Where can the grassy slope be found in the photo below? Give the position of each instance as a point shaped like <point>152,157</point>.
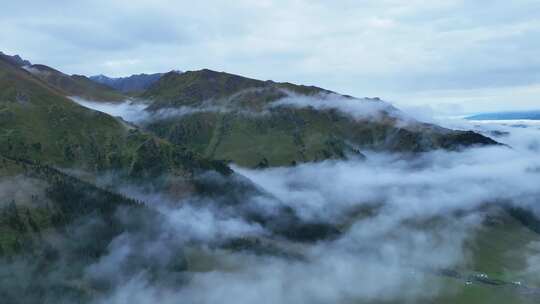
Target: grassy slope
<point>279,136</point>
<point>251,141</point>
<point>500,250</point>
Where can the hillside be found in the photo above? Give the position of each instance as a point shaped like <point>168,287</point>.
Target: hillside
<point>45,198</point>
<point>265,123</point>
<point>50,220</point>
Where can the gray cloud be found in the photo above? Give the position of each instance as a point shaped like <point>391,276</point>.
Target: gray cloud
<point>389,48</point>
<point>128,110</point>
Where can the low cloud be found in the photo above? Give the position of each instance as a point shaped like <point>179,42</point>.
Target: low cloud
<point>401,220</point>
<point>128,110</point>
<point>360,109</point>
<point>21,189</point>
<point>136,111</point>
<point>398,218</point>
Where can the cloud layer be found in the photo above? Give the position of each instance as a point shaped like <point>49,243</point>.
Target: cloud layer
<point>398,218</point>
<point>401,222</point>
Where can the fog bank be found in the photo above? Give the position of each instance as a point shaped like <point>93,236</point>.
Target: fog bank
<point>402,219</point>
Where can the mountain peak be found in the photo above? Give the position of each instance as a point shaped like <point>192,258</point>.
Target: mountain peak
<point>15,60</point>
<point>192,87</point>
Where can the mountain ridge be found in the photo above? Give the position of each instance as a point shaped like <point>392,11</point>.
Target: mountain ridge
<point>258,123</point>
<point>197,86</point>
<point>507,115</point>
<point>14,59</point>
<point>133,84</point>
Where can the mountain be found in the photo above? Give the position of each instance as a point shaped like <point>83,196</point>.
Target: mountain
<point>194,87</point>
<point>74,85</point>
<point>38,123</point>
<point>94,209</point>
<point>56,224</point>
<point>40,126</point>
<point>15,60</point>
<point>49,218</point>
<point>258,123</point>
<point>132,84</point>
<point>521,115</point>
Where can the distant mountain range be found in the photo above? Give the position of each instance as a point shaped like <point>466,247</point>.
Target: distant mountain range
<point>132,84</point>
<point>518,115</point>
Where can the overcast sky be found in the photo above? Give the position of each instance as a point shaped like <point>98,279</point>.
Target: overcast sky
<point>453,55</point>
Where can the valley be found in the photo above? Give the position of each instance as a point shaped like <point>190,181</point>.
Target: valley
<point>202,185</point>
